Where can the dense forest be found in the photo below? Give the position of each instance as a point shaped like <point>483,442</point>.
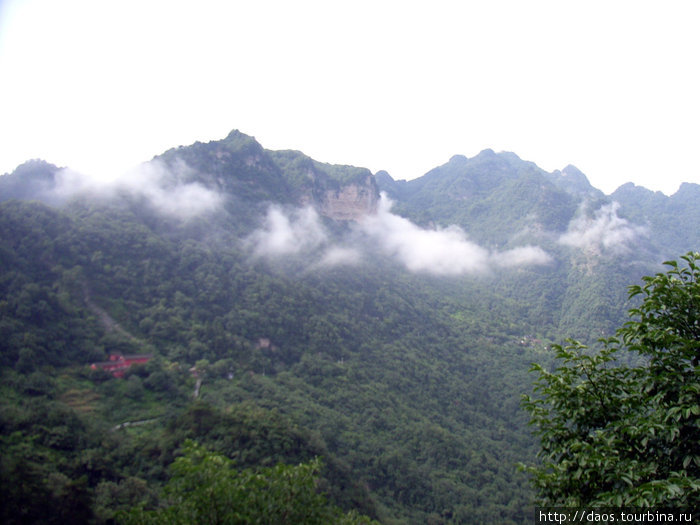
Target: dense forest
<point>276,333</point>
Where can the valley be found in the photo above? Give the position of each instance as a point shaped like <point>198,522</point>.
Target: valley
<point>384,327</point>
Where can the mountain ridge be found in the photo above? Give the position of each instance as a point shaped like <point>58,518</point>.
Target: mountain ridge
<point>238,143</point>
<point>313,316</point>
<point>497,199</point>
<point>494,207</point>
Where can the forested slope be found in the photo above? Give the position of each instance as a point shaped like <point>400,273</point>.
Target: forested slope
<point>394,350</point>
<point>415,399</point>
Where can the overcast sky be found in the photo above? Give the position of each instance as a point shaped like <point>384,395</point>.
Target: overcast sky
<point>612,86</point>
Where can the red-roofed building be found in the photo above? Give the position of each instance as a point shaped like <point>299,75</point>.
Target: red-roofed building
<point>118,364</point>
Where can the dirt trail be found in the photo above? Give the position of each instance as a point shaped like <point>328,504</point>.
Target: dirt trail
<point>133,423</point>
<point>106,320</point>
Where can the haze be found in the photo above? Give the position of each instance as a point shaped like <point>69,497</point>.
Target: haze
<point>610,87</point>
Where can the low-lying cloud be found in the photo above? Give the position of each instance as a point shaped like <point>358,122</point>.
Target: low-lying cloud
<point>445,251</point>
<point>162,186</point>
<point>441,252</point>
<point>605,230</point>
<point>522,256</point>
<point>340,256</point>
<point>288,233</point>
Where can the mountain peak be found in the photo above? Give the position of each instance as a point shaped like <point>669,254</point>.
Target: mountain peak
<point>630,186</point>
<point>572,170</point>
<point>574,181</point>
<point>457,159</point>
<point>30,180</point>
<point>573,175</point>
<point>688,188</point>
<point>34,166</point>
<point>687,193</point>
<point>384,176</point>
<point>488,152</point>
<point>236,141</point>
<point>630,189</point>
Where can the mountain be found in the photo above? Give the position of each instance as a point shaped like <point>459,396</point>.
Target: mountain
<point>572,180</point>
<point>291,309</point>
<point>487,196</point>
<point>236,167</point>
<point>670,220</point>
<point>33,180</point>
<point>239,166</point>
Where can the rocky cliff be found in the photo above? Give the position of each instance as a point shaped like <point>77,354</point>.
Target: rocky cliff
<point>339,192</point>
<point>350,201</point>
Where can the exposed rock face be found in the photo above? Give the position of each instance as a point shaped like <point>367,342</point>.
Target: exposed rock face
<point>350,201</point>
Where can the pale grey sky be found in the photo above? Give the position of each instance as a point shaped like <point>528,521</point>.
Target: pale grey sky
<point>609,86</point>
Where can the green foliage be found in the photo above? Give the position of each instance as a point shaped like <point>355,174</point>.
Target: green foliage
<point>374,370</point>
<point>486,195</point>
<point>206,488</point>
<point>618,434</point>
<point>663,214</point>
<point>406,386</point>
<point>34,179</point>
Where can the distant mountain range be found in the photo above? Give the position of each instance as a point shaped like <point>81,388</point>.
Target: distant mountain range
<point>496,198</point>
<point>496,195</point>
<point>384,325</point>
<point>493,210</point>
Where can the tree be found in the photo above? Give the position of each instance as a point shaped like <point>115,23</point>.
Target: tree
<point>206,488</point>
<point>621,426</point>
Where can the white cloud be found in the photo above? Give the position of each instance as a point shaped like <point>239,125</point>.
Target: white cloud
<point>605,230</point>
<point>161,185</point>
<point>523,256</point>
<point>442,252</point>
<point>445,251</point>
<point>288,233</point>
<point>70,182</point>
<point>338,256</point>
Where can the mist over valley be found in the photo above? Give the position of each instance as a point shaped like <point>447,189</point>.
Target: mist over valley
<point>288,309</point>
